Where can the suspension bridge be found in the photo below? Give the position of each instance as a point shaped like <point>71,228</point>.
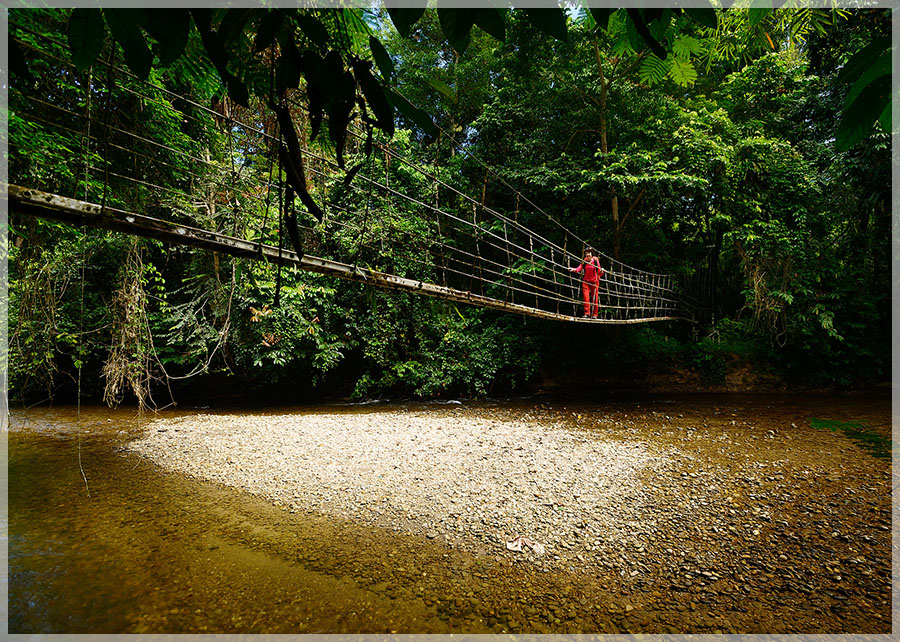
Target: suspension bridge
<point>96,148</point>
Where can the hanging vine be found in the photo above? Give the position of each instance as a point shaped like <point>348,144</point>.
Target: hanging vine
<point>130,363</point>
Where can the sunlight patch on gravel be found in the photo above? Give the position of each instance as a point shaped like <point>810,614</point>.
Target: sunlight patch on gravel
<point>473,480</point>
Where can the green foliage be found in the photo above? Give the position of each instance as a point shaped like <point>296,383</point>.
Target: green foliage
<point>733,177</point>
<point>860,432</point>
<point>434,350</point>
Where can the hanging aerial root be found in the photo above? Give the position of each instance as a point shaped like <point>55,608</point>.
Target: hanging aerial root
<point>129,363</point>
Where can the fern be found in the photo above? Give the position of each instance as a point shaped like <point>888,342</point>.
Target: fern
<point>687,45</point>
<point>683,72</point>
<point>653,70</point>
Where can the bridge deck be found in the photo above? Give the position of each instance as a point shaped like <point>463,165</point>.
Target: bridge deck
<point>75,212</point>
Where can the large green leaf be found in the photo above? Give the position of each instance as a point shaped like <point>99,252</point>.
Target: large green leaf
<point>312,29</point>
<point>375,96</point>
<point>287,72</point>
<point>653,70</point>
<point>404,19</point>
<point>339,110</point>
<point>881,67</point>
<point>443,88</point>
<point>86,33</point>
<point>706,17</point>
<point>356,29</point>
<point>885,119</point>
<point>311,63</point>
<point>759,9</point>
<point>601,16</point>
<point>857,120</point>
<point>170,28</point>
<point>863,59</point>
<point>124,26</point>
<point>456,25</point>
<point>492,21</point>
<point>632,36</point>
<point>382,58</point>
<point>330,77</point>
<point>551,21</point>
<point>269,24</point>
<point>643,31</point>
<point>418,116</point>
<point>237,90</point>
<point>233,24</point>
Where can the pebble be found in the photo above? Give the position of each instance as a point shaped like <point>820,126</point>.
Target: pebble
<point>675,509</point>
<point>406,466</point>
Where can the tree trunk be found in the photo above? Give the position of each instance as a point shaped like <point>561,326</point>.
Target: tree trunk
<point>604,148</point>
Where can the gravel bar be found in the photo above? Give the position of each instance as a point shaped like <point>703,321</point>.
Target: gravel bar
<point>476,482</point>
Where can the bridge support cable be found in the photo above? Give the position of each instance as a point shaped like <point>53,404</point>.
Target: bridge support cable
<point>416,233</point>
<point>24,201</point>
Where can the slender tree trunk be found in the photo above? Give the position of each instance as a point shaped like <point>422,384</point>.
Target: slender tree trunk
<point>604,147</point>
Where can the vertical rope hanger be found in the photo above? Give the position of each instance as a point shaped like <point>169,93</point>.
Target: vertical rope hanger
<point>437,209</point>
<point>86,139</point>
<point>85,150</point>
<point>110,84</point>
<point>281,206</point>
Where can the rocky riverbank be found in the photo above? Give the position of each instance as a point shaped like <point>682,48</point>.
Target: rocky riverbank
<point>701,517</point>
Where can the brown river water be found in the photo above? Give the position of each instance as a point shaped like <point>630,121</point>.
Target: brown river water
<point>103,541</point>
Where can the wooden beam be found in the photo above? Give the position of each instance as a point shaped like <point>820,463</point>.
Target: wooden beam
<point>33,202</point>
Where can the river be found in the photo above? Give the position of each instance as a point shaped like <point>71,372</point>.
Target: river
<point>104,541</point>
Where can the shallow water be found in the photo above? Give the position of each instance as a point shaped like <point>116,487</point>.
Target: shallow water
<point>102,541</point>
<point>127,547</point>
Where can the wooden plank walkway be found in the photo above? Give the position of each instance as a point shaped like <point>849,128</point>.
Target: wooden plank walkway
<point>75,212</point>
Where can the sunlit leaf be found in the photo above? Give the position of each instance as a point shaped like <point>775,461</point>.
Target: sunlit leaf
<point>382,58</point>
<point>653,70</point>
<point>684,46</point>
<point>683,72</point>
<point>443,88</point>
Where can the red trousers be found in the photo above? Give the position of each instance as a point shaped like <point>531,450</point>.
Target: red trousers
<point>590,292</point>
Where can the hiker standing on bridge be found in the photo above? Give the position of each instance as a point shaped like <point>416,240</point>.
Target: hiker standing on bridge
<point>590,283</point>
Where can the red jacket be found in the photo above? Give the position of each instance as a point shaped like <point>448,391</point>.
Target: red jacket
<point>592,270</point>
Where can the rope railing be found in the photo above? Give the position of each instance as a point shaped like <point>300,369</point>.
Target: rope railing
<point>424,228</point>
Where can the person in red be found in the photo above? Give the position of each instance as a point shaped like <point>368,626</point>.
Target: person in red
<point>590,284</point>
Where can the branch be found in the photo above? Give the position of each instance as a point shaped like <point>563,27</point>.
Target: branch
<point>575,133</point>
<point>585,96</point>
<point>631,206</point>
